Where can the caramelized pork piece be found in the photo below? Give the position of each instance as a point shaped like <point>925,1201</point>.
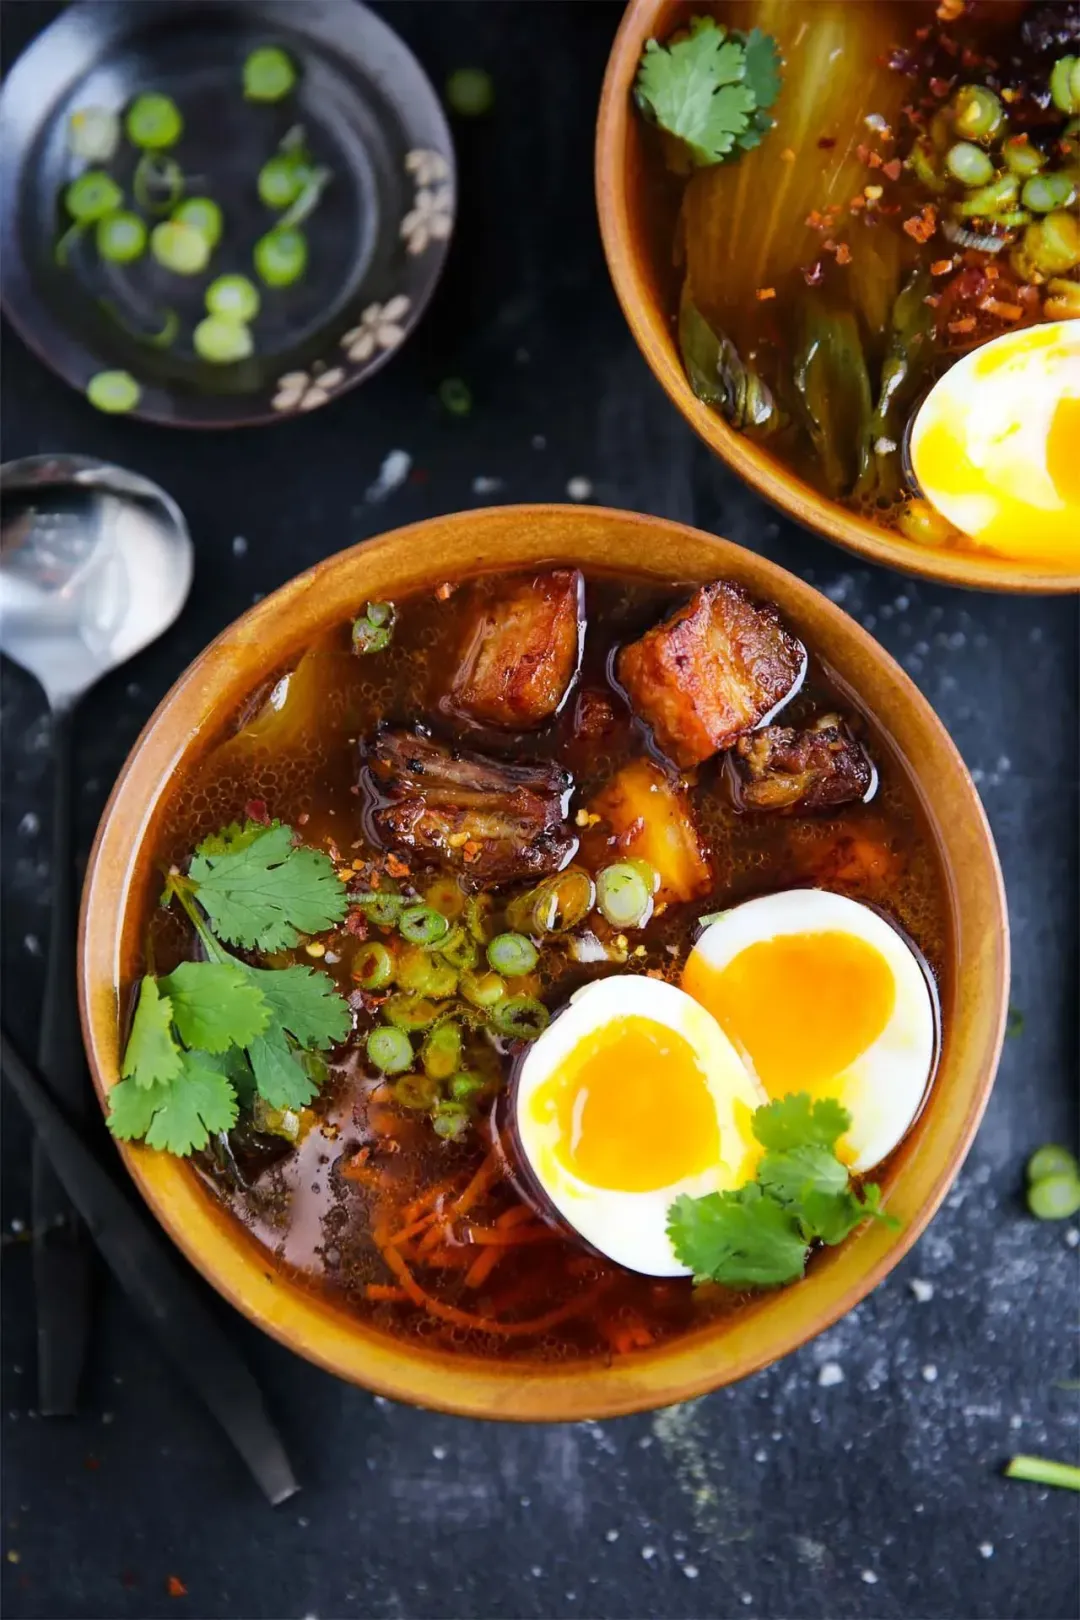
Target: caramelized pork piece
<point>644,814</point>
<point>521,652</point>
<point>717,667</point>
<point>781,768</point>
<point>495,822</point>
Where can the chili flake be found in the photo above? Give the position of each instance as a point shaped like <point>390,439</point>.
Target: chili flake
<point>175,1587</point>
<point>941,267</point>
<point>396,867</point>
<point>843,254</point>
<point>965,324</point>
<point>892,169</point>
<point>764,293</point>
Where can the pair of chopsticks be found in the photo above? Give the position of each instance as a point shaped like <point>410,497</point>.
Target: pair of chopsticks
<point>144,1265</point>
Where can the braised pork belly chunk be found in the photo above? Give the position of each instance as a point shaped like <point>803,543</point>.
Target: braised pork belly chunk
<point>714,669</point>
<point>494,821</point>
<point>521,652</point>
<point>781,768</point>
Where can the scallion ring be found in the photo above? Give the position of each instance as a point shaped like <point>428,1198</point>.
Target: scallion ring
<point>450,1120</point>
<point>512,954</point>
<point>222,342</point>
<point>204,214</point>
<point>623,897</point>
<point>520,1018</point>
<point>464,1085</point>
<point>373,966</point>
<point>92,196</point>
<point>415,1091</point>
<point>423,925</point>
<point>410,1012</point>
<point>269,74</point>
<point>483,989</point>
<point>121,237</point>
<point>383,906</point>
<point>441,1051</point>
<point>389,1049</point>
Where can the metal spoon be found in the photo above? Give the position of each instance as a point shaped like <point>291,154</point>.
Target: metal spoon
<point>95,563</point>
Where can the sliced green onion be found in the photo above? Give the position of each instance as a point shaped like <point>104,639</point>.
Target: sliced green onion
<point>373,966</point>
<point>204,215</point>
<point>422,972</point>
<point>281,180</point>
<point>315,182</point>
<point>281,257</point>
<point>415,1091</point>
<point>389,1049</point>
<point>441,1051</point>
<point>269,74</point>
<point>113,392</point>
<point>512,954</point>
<point>234,298</point>
<point>1054,1198</point>
<point>161,339</point>
<point>93,134</point>
<point>1021,156</point>
<point>986,201</point>
<point>410,1012</point>
<point>373,631</point>
<point>450,1120</point>
<point>444,893</point>
<point>222,342</point>
<point>521,1018</point>
<point>1053,243</point>
<point>977,112</point>
<point>969,164</point>
<point>70,236</point>
<point>154,122</point>
<point>1052,1160</point>
<point>479,917</point>
<point>1045,192</point>
<point>483,989</point>
<point>470,92</point>
<point>121,237</point>
<point>1065,84</point>
<point>92,196</point>
<point>1044,1471</point>
<point>623,897</point>
<point>383,906</point>
<point>180,248</point>
<point>459,950</point>
<point>554,906</point>
<point>455,396</point>
<point>423,925</point>
<point>158,182</point>
<point>464,1085</point>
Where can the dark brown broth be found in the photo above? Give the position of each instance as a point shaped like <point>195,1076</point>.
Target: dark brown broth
<point>302,759</point>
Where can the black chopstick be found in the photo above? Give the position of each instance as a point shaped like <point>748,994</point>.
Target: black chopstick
<point>144,1265</point>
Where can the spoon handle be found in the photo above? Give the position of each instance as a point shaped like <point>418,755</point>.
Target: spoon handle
<point>62,1255</point>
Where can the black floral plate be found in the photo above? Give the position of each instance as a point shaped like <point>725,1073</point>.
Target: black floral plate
<point>377,239</point>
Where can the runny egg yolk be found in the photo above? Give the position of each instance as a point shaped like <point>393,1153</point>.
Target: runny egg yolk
<point>633,1108</point>
<point>801,1007</point>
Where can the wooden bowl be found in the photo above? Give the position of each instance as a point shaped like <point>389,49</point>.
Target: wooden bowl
<point>200,707</point>
<point>640,276</point>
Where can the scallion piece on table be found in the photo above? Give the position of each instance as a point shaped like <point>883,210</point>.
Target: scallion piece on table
<point>121,237</point>
<point>221,341</point>
<point>113,392</point>
<point>269,74</point>
<point>470,92</point>
<point>1054,1198</point>
<point>235,298</point>
<point>512,954</point>
<point>180,248</point>
<point>92,196</point>
<point>204,215</point>
<point>390,1049</point>
<point>1044,1471</point>
<point>1052,1160</point>
<point>154,122</point>
<point>281,257</point>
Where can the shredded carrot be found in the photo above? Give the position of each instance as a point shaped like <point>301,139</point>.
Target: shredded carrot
<point>439,1232</point>
<point>488,1237</point>
<point>361,1175</point>
<point>1003,311</point>
<point>966,324</point>
<point>484,1324</point>
<point>430,1196</point>
<point>624,1337</point>
<point>488,1174</point>
<point>385,1291</point>
<point>843,254</point>
<point>514,1216</point>
<point>397,867</point>
<point>446,1257</point>
<point>482,1267</point>
<point>413,1228</point>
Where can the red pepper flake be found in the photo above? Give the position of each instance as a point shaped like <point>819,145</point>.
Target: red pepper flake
<point>923,33</point>
<point>356,925</point>
<point>814,274</point>
<point>815,220</point>
<point>892,170</point>
<point>826,142</point>
<point>965,324</point>
<point>256,810</point>
<point>970,58</point>
<point>941,267</point>
<point>764,293</point>
<point>948,45</point>
<point>91,1464</point>
<point>921,227</point>
<point>335,854</point>
<point>940,87</point>
<point>857,204</point>
<point>445,591</point>
<point>471,850</point>
<point>1003,311</point>
<point>933,299</point>
<point>876,160</point>
<point>396,867</point>
<point>303,818</point>
<point>843,254</point>
<point>175,1587</point>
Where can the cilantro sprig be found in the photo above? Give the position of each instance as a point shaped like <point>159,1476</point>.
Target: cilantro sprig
<point>760,1234</point>
<point>711,89</point>
<point>217,1031</point>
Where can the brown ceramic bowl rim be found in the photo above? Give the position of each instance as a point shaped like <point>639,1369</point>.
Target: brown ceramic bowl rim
<point>651,330</point>
<point>516,537</point>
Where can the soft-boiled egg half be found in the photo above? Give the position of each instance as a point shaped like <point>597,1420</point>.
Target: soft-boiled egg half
<point>821,994</point>
<point>632,1096</point>
<point>995,446</point>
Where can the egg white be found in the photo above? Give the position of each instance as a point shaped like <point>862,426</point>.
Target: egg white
<point>631,1227</point>
<point>884,1087</point>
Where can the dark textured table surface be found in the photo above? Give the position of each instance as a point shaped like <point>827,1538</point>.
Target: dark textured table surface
<point>859,1478</point>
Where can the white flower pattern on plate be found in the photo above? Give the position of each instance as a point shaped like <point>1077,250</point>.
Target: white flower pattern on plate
<point>303,391</point>
<point>430,219</point>
<point>427,167</point>
<point>380,328</point>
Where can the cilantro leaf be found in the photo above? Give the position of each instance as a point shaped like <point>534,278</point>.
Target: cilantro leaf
<point>693,89</point>
<point>177,1115</point>
<point>152,1054</point>
<point>833,1217</point>
<point>261,892</point>
<point>795,1175</point>
<point>216,1004</point>
<point>761,68</point>
<point>233,838</point>
<point>279,1075</point>
<point>744,1239</point>
<point>797,1121</point>
<point>305,1002</point>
